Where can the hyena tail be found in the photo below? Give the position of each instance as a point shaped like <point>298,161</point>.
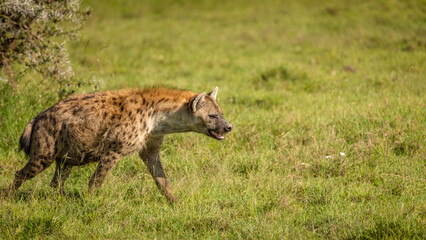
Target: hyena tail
<point>25,140</point>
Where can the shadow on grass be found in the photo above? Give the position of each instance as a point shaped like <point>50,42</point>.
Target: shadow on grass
<point>27,195</point>
<point>389,230</point>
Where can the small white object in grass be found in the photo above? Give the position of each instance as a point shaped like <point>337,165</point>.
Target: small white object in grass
<point>342,154</point>
<point>328,156</point>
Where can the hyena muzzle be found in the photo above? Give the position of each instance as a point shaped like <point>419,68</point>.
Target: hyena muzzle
<point>103,127</point>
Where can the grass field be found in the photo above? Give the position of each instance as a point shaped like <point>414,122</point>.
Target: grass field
<point>299,80</point>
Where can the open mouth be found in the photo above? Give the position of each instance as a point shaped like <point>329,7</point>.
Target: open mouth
<point>216,135</point>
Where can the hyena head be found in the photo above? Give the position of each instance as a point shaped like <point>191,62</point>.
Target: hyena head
<point>208,117</point>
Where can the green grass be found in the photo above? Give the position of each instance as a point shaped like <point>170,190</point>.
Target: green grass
<point>299,81</point>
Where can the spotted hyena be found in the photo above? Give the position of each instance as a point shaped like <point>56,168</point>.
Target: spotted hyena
<point>103,127</point>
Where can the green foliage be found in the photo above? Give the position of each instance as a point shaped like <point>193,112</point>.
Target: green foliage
<point>299,81</point>
<point>33,35</point>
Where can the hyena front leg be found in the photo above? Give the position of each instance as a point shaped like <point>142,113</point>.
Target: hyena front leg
<point>104,166</point>
<point>151,157</point>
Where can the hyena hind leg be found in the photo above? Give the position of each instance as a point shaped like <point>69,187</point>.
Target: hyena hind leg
<point>62,171</point>
<point>33,167</point>
<point>54,183</point>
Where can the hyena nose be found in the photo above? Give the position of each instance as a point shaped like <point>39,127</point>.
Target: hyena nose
<point>228,128</point>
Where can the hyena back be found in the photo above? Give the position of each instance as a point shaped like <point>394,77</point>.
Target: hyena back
<point>103,127</point>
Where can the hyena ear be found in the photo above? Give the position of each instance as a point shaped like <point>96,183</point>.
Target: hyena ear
<point>213,93</point>
<point>197,102</point>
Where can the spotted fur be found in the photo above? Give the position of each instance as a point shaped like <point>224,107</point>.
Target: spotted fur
<point>103,127</point>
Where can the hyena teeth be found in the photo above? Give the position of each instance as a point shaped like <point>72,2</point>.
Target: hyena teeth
<point>216,134</point>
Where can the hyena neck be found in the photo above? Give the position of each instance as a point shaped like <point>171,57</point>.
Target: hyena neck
<point>168,120</point>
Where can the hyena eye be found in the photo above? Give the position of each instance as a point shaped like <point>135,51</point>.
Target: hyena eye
<point>212,116</point>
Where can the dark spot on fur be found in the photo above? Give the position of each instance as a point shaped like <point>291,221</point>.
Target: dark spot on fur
<point>143,101</point>
<point>53,121</point>
<point>103,101</point>
<point>144,125</point>
<point>40,117</point>
<point>105,115</point>
<point>70,100</point>
<point>122,108</point>
<point>87,97</point>
<point>112,117</point>
<point>77,110</point>
<point>43,163</point>
<point>34,166</point>
<point>54,132</point>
